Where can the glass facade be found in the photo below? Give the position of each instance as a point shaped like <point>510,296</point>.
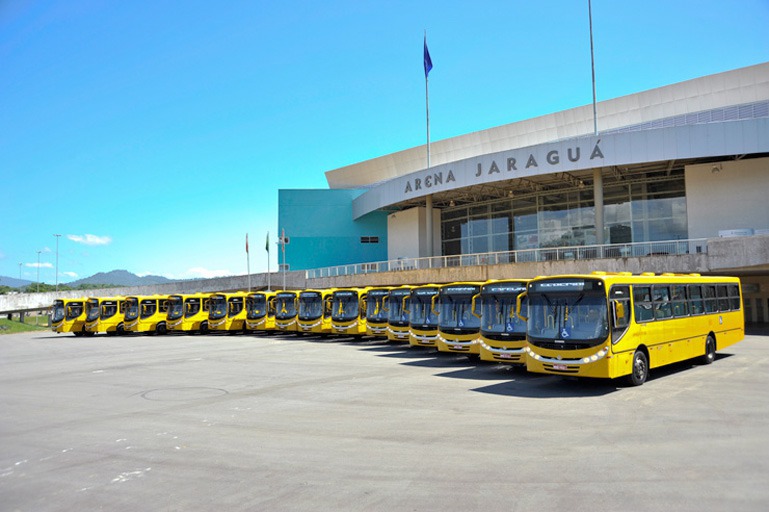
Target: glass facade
<point>648,209</point>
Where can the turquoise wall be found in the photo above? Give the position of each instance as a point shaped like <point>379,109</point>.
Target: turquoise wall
<point>322,232</point>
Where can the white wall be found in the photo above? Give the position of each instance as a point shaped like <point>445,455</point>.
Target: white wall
<point>407,233</point>
<point>732,194</point>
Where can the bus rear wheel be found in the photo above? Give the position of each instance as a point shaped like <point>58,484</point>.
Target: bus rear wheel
<point>640,370</point>
<point>710,350</point>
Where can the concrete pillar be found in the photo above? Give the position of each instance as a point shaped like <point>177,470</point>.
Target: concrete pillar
<point>429,224</point>
<point>598,198</point>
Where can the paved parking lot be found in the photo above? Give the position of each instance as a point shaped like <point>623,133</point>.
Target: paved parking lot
<point>285,423</point>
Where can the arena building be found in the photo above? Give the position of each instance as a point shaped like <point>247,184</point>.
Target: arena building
<point>678,170</point>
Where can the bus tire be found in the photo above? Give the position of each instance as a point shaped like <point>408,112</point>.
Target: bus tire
<point>161,328</point>
<point>640,369</point>
<point>710,350</point>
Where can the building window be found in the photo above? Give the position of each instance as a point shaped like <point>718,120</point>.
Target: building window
<point>369,239</point>
<point>650,207</point>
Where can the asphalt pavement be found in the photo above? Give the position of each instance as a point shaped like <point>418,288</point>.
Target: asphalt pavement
<point>274,423</point>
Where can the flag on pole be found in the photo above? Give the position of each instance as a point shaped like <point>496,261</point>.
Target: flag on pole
<point>267,244</point>
<point>246,243</point>
<point>428,60</point>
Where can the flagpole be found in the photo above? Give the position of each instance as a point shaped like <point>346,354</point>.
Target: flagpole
<point>427,97</point>
<point>592,64</point>
<point>429,199</point>
<point>597,173</point>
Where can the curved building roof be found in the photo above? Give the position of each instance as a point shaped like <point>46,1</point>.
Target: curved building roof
<point>717,115</point>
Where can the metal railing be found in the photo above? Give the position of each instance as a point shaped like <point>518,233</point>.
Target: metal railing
<point>579,252</point>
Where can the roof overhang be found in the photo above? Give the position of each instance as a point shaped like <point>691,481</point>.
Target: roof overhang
<point>710,140</point>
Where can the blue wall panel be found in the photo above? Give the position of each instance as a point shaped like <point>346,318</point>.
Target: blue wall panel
<point>322,232</point>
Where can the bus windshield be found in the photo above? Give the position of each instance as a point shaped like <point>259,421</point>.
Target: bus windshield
<point>92,310</point>
<point>396,313</point>
<point>421,308</point>
<point>376,309</point>
<point>285,306</point>
<point>218,307</point>
<point>132,308</point>
<point>175,307</point>
<point>456,309</point>
<point>568,312</point>
<point>256,306</point>
<point>57,315</point>
<point>498,314</point>
<point>310,306</point>
<point>344,306</point>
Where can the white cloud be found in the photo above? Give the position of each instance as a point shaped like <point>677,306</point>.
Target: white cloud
<point>90,239</point>
<point>206,273</point>
<point>41,265</point>
<point>69,274</point>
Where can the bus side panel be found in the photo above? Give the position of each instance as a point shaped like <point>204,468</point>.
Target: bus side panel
<point>731,330</point>
<point>620,364</point>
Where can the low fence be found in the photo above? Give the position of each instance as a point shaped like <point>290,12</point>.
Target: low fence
<point>580,252</point>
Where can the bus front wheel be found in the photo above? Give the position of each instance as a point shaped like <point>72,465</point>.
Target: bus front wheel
<point>710,350</point>
<point>640,370</point>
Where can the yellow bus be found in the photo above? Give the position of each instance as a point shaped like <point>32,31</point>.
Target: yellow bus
<point>621,325</point>
<point>423,317</point>
<point>398,313</point>
<point>348,311</point>
<point>286,311</point>
<point>458,324</point>
<point>68,315</point>
<point>503,333</point>
<point>106,314</point>
<point>146,313</point>
<point>227,312</point>
<point>376,311</point>
<point>188,312</point>
<point>314,314</point>
<point>260,311</point>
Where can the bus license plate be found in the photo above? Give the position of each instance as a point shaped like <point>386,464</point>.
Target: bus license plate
<point>457,347</point>
<point>505,356</point>
<point>559,367</point>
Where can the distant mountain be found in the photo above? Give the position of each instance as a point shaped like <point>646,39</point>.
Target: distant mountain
<point>13,282</point>
<point>120,278</point>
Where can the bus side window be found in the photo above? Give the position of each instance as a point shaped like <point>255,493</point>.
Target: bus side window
<point>734,297</point>
<point>662,306</point>
<point>709,291</point>
<point>620,311</point>
<point>643,305</point>
<point>680,306</point>
<point>723,297</point>
<point>695,299</point>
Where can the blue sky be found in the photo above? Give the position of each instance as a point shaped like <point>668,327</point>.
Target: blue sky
<point>153,135</point>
